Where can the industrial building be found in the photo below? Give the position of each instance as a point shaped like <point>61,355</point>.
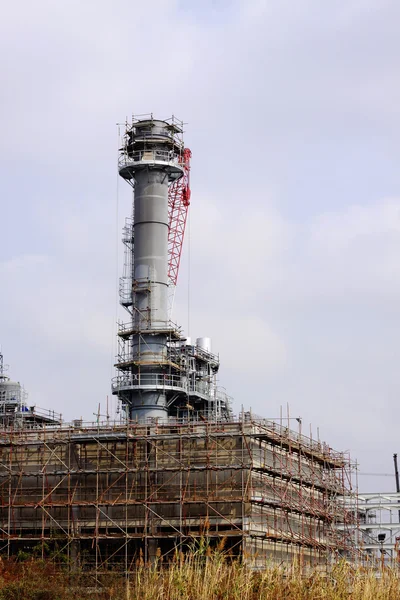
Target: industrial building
<point>178,467</point>
<point>376,531</point>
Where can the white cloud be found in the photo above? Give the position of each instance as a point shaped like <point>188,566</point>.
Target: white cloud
<point>17,264</point>
<point>336,231</point>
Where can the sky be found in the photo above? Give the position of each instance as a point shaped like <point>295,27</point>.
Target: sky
<point>292,254</point>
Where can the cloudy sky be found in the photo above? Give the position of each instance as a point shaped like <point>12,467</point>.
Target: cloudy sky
<point>292,111</point>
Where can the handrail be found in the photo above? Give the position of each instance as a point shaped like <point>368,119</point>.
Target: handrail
<point>201,353</point>
<point>283,431</point>
<point>150,155</point>
<point>46,414</point>
<point>123,327</point>
<point>22,409</point>
<point>148,379</point>
<point>111,425</point>
<point>177,381</point>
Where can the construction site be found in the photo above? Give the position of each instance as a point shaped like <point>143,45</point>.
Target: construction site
<point>177,468</point>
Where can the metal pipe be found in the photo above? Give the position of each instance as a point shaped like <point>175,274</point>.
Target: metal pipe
<point>396,473</point>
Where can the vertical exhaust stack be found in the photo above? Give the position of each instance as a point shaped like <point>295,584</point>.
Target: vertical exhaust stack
<point>150,159</point>
<point>160,375</point>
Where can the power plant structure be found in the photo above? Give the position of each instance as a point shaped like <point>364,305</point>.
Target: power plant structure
<point>161,374</point>
<point>179,467</point>
<point>14,411</point>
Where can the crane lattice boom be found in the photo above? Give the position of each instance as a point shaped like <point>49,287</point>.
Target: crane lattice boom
<point>178,204</point>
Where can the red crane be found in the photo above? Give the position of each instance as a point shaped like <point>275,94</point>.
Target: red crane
<point>178,204</point>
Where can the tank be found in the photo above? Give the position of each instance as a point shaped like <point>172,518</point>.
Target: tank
<point>204,343</point>
<point>10,391</point>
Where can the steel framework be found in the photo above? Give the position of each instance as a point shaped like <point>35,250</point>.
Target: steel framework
<point>377,529</point>
<point>178,204</point>
<point>108,495</point>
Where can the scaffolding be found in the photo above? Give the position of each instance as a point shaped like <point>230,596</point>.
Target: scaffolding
<point>104,495</point>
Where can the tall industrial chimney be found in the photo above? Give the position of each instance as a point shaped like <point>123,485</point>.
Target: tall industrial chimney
<point>160,374</point>
<point>150,159</point>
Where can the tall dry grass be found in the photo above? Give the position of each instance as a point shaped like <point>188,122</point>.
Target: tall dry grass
<point>214,579</point>
<point>197,577</point>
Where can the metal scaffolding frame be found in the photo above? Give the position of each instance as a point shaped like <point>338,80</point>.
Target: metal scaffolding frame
<point>108,495</point>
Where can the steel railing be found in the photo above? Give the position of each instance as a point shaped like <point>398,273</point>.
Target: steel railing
<point>156,380</point>
<point>159,380</point>
<point>149,156</point>
<point>169,326</point>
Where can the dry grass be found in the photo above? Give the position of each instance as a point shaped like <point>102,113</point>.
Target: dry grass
<point>197,577</point>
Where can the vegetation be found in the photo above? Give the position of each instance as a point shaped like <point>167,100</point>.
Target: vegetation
<point>195,577</point>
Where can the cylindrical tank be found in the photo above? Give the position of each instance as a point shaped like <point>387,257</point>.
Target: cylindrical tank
<point>204,343</point>
<point>10,391</point>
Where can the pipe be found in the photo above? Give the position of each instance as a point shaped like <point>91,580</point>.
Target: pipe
<point>396,473</point>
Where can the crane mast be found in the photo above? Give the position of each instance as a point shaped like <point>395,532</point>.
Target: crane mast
<point>178,204</point>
